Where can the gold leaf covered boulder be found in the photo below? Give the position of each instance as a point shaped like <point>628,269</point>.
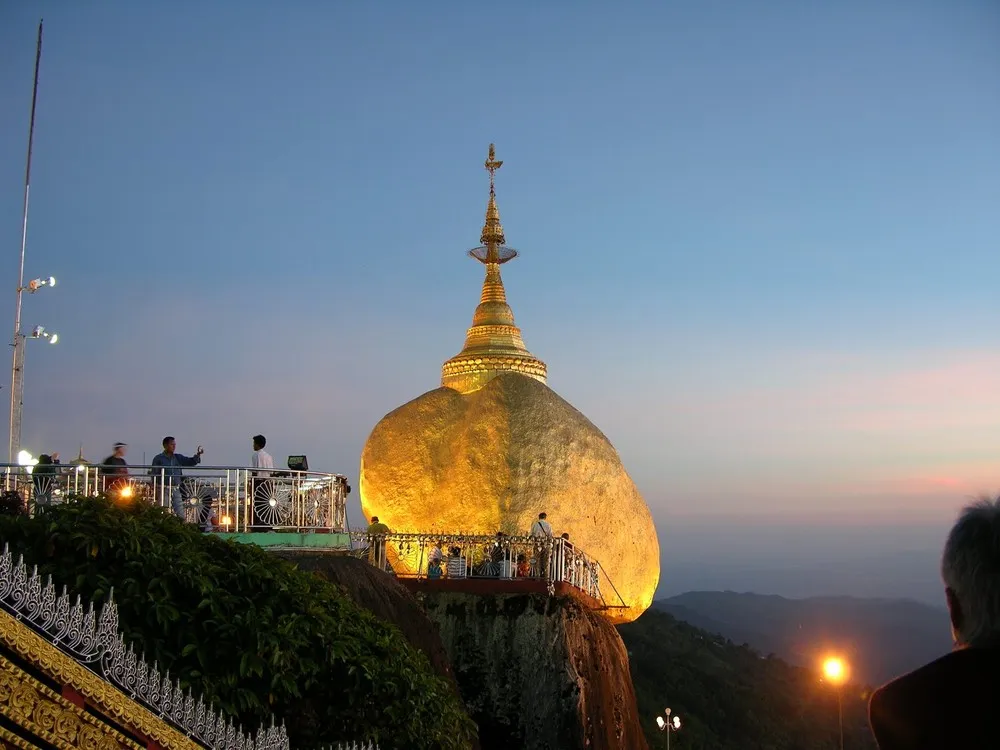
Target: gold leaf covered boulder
<point>495,446</point>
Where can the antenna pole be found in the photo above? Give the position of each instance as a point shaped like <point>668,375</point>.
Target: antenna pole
<point>17,365</point>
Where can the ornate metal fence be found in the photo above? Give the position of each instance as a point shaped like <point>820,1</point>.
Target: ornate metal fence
<point>94,642</point>
<point>500,557</point>
<point>222,498</point>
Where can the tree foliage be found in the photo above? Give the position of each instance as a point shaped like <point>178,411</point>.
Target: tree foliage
<point>247,631</point>
<point>730,697</point>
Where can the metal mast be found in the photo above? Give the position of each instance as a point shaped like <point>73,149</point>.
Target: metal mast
<point>17,366</point>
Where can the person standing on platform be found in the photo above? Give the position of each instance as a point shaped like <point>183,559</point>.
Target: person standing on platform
<point>43,478</point>
<point>541,530</point>
<point>261,459</point>
<point>260,484</point>
<point>376,538</point>
<point>167,468</point>
<point>115,469</point>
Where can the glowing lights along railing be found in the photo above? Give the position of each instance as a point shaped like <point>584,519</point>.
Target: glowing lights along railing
<point>224,498</point>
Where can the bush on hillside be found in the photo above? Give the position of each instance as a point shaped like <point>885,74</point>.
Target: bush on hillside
<point>11,503</point>
<point>247,631</point>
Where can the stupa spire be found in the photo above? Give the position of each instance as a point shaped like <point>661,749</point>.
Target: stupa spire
<point>492,230</point>
<point>493,345</point>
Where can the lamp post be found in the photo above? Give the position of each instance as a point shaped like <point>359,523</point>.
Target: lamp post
<point>835,672</point>
<point>17,365</point>
<point>17,378</point>
<point>669,724</point>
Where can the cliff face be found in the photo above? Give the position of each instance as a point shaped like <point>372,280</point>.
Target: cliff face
<point>538,672</point>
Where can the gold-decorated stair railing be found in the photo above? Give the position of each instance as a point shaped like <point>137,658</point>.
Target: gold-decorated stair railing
<point>67,680</point>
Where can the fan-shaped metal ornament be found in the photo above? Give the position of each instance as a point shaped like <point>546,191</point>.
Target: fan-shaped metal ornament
<point>197,497</point>
<point>273,503</point>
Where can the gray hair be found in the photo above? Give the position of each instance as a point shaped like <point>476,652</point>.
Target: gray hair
<point>970,567</point>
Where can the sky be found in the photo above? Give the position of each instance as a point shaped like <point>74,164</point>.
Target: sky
<point>759,245</point>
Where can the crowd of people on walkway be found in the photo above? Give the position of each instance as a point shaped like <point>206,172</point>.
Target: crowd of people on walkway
<point>503,557</point>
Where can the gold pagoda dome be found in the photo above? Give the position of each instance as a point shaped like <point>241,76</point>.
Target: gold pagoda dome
<point>494,446</point>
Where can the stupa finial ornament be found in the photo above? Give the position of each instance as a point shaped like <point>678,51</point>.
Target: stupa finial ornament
<point>493,345</point>
<point>492,236</point>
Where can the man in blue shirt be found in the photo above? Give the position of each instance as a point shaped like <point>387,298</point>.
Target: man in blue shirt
<point>167,467</point>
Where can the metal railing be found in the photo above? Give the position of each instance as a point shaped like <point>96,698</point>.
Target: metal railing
<point>218,498</point>
<point>500,557</point>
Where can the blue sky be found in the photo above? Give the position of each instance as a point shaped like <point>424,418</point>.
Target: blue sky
<point>759,240</point>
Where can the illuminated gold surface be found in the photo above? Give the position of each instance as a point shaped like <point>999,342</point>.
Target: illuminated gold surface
<point>28,645</point>
<point>493,459</point>
<point>495,446</point>
<point>45,714</point>
<point>493,345</point>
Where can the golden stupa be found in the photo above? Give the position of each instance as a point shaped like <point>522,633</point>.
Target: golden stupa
<point>494,446</point>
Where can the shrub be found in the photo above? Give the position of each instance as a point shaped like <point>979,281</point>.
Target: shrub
<point>247,631</point>
<point>11,503</point>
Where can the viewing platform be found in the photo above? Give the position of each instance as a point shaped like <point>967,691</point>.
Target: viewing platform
<point>486,564</point>
<point>225,499</point>
<point>306,511</point>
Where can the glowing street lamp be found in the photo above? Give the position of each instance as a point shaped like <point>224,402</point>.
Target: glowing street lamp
<point>669,724</point>
<point>835,672</point>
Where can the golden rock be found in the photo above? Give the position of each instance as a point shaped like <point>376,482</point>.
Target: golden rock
<point>495,446</point>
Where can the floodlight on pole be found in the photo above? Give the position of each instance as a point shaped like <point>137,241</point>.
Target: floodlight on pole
<point>39,332</point>
<point>35,284</point>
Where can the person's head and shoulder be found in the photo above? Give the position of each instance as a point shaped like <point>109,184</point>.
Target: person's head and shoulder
<point>117,457</point>
<point>541,527</point>
<point>45,465</point>
<point>377,527</point>
<point>170,456</point>
<point>260,458</point>
<point>955,696</point>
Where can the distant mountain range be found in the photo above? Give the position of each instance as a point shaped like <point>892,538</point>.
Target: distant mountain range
<point>881,638</point>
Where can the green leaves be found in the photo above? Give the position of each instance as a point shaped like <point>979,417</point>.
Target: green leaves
<point>247,631</point>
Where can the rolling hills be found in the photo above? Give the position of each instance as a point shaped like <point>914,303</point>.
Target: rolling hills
<point>881,638</point>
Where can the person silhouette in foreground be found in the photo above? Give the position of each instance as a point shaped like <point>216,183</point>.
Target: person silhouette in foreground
<point>954,702</point>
